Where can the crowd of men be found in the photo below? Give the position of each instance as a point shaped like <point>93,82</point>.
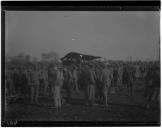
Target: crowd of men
<point>30,82</point>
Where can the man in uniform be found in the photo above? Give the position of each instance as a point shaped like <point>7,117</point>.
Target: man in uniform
<point>91,85</point>
<point>130,81</point>
<point>120,74</point>
<point>28,84</point>
<point>68,79</point>
<point>115,78</point>
<point>57,87</point>
<point>137,72</point>
<point>51,79</point>
<point>9,82</point>
<point>75,79</point>
<point>24,84</point>
<point>99,84</point>
<point>126,78</point>
<point>106,78</point>
<point>153,88</point>
<point>34,85</point>
<point>17,82</point>
<point>43,81</point>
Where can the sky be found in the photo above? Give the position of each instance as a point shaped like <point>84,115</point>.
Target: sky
<point>109,34</point>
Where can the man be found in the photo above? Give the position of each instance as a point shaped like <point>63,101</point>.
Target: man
<point>128,79</point>
<point>83,78</point>
<point>57,87</point>
<point>28,84</point>
<point>120,74</point>
<point>91,86</point>
<point>75,79</point>
<point>51,79</point>
<point>68,79</point>
<point>142,71</point>
<point>34,85</point>
<point>153,88</point>
<point>137,72</point>
<point>107,75</point>
<point>115,79</point>
<point>10,90</point>
<point>17,81</point>
<point>43,81</point>
<point>99,83</point>
<point>24,84</point>
<point>9,82</point>
<point>148,82</point>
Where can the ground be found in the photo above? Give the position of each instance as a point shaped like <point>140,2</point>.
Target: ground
<point>121,108</point>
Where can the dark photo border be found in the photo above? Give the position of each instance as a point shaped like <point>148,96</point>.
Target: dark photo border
<point>68,6</point>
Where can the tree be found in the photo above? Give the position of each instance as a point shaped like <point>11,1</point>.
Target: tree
<point>34,59</point>
<point>54,55</point>
<point>28,58</point>
<point>51,56</point>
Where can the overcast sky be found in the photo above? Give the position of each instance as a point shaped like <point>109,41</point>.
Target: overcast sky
<point>114,35</point>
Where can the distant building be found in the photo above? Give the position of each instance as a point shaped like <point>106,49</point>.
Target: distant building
<point>77,58</point>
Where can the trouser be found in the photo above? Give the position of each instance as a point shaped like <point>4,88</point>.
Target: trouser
<point>57,96</point>
<point>34,93</point>
<point>91,93</point>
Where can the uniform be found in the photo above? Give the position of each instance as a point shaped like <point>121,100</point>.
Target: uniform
<point>57,88</point>
<point>153,89</point>
<point>24,85</point>
<point>51,80</point>
<point>9,83</point>
<point>43,82</point>
<point>137,72</point>
<point>130,82</point>
<point>148,83</point>
<point>45,77</point>
<point>115,79</point>
<point>28,84</point>
<point>34,86</point>
<point>99,84</point>
<point>68,79</point>
<point>120,74</point>
<point>106,78</point>
<point>17,82</point>
<point>75,80</point>
<point>91,86</point>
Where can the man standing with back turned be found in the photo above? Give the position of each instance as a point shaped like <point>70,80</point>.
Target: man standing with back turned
<point>57,87</point>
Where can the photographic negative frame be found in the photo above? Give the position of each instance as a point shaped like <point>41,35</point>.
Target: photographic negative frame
<point>42,6</point>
